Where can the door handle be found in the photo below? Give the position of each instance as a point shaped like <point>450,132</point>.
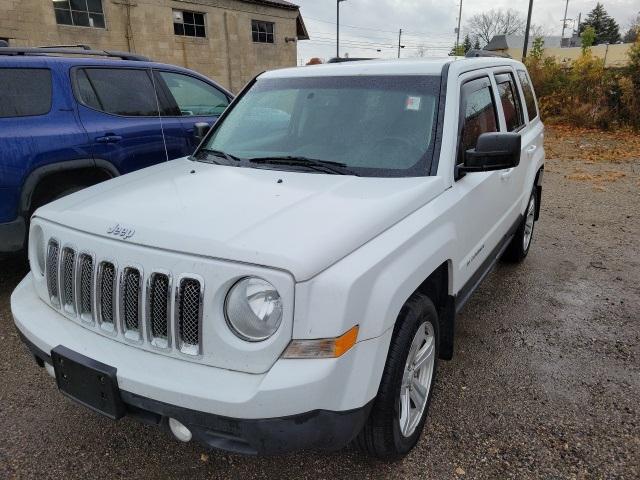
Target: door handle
<point>506,175</point>
<point>530,149</point>
<point>109,138</point>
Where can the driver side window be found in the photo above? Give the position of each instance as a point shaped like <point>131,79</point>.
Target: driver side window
<point>478,113</point>
<point>193,97</point>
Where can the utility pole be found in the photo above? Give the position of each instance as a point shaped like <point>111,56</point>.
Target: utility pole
<point>526,31</point>
<point>399,42</point>
<point>338,27</point>
<point>458,29</point>
<point>564,21</point>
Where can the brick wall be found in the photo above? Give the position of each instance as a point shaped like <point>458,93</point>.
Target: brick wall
<point>228,53</point>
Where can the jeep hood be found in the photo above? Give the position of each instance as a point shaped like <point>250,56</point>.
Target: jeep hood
<point>295,221</point>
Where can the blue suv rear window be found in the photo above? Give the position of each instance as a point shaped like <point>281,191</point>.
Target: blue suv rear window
<point>24,92</point>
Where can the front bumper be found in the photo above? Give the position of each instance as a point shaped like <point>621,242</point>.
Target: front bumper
<point>297,404</point>
<point>12,236</point>
<point>318,429</point>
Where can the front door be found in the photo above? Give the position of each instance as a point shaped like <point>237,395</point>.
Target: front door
<point>189,100</point>
<point>483,196</point>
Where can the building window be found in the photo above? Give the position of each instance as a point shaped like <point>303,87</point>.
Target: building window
<point>262,32</point>
<point>81,13</point>
<point>189,24</point>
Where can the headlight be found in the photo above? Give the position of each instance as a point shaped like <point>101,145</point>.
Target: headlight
<point>253,309</point>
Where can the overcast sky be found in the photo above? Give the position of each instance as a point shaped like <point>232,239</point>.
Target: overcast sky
<point>428,23</point>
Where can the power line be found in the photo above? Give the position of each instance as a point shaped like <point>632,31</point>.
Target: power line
<point>409,32</point>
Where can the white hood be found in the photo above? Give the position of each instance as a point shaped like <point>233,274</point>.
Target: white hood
<point>298,222</point>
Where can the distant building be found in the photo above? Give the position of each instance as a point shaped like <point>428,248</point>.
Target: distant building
<point>563,49</point>
<point>228,40</point>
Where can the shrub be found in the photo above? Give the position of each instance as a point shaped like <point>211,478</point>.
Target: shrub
<point>584,93</point>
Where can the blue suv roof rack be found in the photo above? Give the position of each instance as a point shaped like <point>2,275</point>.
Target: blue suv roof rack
<point>71,50</point>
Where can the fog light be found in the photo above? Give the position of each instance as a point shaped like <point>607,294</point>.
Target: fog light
<point>181,432</point>
<point>49,368</point>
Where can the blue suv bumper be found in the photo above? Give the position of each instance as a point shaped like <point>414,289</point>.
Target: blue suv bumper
<point>12,236</point>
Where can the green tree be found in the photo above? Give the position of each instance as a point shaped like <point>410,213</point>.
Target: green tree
<point>587,36</point>
<point>476,44</point>
<point>466,43</point>
<point>634,30</point>
<point>457,51</point>
<point>537,49</point>
<point>605,27</point>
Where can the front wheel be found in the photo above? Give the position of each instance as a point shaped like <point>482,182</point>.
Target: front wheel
<point>400,408</point>
<point>521,241</point>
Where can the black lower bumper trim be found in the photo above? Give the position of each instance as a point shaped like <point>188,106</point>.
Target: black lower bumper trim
<point>315,430</point>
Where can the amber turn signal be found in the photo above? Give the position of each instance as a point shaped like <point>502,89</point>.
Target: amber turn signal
<point>322,347</point>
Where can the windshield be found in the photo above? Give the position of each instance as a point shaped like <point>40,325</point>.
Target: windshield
<point>365,125</point>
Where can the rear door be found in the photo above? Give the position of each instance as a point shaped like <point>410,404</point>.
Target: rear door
<point>532,137</point>
<point>190,100</point>
<point>512,117</point>
<point>118,108</point>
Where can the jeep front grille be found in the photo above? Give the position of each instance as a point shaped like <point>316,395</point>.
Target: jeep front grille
<point>106,298</point>
<point>67,270</point>
<point>119,299</point>
<point>159,312</point>
<point>85,287</point>
<point>53,252</point>
<point>130,296</point>
<point>189,306</point>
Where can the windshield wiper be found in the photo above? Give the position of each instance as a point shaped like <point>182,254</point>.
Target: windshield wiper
<point>221,154</point>
<point>326,166</point>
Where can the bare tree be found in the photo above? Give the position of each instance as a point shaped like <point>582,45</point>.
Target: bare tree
<point>495,22</point>
<point>421,51</point>
<point>536,31</point>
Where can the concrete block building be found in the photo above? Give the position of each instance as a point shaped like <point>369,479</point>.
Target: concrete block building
<point>228,40</point>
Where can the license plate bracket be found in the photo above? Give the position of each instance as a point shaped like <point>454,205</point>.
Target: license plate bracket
<point>88,382</point>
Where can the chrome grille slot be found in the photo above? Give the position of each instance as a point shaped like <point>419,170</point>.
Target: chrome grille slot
<point>53,253</point>
<point>158,308</point>
<point>189,315</point>
<point>67,274</point>
<point>106,295</point>
<point>130,294</point>
<point>85,287</point>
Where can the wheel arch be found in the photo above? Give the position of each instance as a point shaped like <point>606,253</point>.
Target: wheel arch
<point>81,169</point>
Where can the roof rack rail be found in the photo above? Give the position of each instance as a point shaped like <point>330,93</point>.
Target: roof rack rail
<point>83,47</point>
<point>485,53</point>
<point>27,51</point>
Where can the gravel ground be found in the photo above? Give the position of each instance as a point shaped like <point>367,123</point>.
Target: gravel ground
<point>544,383</point>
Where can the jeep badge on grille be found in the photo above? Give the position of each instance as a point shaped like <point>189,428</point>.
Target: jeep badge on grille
<point>119,231</point>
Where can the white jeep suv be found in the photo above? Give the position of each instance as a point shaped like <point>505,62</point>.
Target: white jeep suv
<point>294,283</point>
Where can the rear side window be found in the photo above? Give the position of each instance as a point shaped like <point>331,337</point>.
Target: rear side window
<point>24,92</point>
<point>529,97</point>
<point>119,91</point>
<point>479,114</point>
<point>510,100</point>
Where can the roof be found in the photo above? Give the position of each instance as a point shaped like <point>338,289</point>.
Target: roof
<point>423,66</point>
<point>301,29</point>
<point>275,3</point>
<point>504,42</point>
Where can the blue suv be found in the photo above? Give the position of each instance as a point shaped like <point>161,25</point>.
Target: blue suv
<point>73,117</point>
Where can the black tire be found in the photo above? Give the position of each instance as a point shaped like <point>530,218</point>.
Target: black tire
<point>381,436</point>
<point>517,250</point>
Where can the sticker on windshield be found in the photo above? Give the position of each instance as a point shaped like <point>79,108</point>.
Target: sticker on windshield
<point>413,103</point>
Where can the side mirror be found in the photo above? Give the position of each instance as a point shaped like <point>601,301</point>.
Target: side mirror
<point>200,129</point>
<point>494,151</point>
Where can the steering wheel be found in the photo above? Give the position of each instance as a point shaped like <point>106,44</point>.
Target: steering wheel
<point>399,145</point>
